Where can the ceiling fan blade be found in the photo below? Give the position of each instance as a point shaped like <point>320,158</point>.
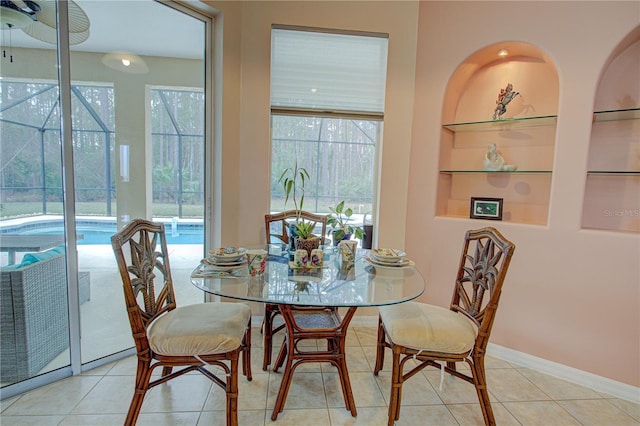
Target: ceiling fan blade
<point>78,19</point>
<point>45,33</point>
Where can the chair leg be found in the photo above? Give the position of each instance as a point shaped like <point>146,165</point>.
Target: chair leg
<point>143,376</point>
<point>347,393</point>
<point>246,353</point>
<point>379,349</point>
<point>232,393</point>
<point>267,326</point>
<point>282,355</point>
<point>284,386</point>
<point>480,382</point>
<point>396,388</point>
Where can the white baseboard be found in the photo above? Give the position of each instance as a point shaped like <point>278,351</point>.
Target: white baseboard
<point>570,374</point>
<point>564,372</point>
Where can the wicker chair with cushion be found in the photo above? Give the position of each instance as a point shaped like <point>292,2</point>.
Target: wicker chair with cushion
<point>440,337</point>
<point>193,337</point>
<point>276,227</point>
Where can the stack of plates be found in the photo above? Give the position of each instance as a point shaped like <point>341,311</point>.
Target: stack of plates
<point>226,257</point>
<point>389,257</point>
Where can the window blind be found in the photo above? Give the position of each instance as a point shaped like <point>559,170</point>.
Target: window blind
<point>328,71</point>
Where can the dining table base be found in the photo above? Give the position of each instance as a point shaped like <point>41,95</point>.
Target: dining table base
<point>304,324</point>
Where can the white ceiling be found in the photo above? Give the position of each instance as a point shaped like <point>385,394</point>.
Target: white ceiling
<point>142,27</point>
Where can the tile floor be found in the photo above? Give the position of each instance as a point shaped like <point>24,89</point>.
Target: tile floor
<point>519,396</point>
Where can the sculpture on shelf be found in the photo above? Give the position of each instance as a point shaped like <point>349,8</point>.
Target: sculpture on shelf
<point>505,96</point>
<point>493,161</point>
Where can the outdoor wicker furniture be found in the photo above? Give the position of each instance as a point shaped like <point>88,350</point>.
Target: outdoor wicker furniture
<point>440,337</point>
<point>34,315</point>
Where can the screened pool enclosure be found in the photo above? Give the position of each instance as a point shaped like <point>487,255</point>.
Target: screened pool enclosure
<point>30,159</point>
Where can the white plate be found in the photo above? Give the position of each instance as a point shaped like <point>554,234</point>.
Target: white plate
<point>225,264</point>
<point>387,255</point>
<point>402,263</point>
<point>222,254</point>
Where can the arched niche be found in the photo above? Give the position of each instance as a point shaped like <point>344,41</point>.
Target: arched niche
<point>612,190</point>
<point>524,134</point>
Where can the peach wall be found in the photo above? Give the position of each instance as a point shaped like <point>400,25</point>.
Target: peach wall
<point>571,296</point>
<point>246,148</point>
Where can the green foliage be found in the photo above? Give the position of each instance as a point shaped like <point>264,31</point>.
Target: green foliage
<point>304,230</point>
<point>338,220</point>
<point>293,180</point>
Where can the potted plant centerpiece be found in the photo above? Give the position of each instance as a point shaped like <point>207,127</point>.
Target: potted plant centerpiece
<point>293,180</point>
<point>339,221</point>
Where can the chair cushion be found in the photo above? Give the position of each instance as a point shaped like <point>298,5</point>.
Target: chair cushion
<point>200,329</point>
<point>430,328</point>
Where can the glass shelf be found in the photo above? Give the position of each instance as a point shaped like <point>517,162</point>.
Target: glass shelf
<point>617,115</point>
<point>614,172</point>
<point>507,124</point>
<point>515,172</point>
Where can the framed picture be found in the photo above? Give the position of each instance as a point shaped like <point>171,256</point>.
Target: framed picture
<point>486,208</point>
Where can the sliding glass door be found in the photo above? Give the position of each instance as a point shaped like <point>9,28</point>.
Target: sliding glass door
<point>129,116</point>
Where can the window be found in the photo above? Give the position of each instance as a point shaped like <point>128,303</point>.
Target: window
<point>327,110</point>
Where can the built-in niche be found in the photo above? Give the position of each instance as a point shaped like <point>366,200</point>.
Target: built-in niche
<point>524,136</point>
<point>612,190</point>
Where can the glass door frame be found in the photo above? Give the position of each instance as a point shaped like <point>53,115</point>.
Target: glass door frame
<point>197,11</point>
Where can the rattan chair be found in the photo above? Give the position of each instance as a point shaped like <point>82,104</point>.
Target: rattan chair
<point>441,337</point>
<point>193,337</point>
<point>276,227</point>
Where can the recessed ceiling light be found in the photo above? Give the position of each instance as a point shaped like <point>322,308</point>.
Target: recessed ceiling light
<point>126,62</point>
<point>503,52</point>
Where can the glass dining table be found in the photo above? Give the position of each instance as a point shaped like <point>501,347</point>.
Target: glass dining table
<point>334,284</point>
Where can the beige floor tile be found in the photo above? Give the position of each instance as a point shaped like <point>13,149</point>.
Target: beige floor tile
<point>356,361</point>
<point>100,371</point>
<point>510,385</point>
<point>370,355</point>
<point>251,395</point>
<point>367,416</point>
<point>489,363</point>
<point>519,396</point>
<point>245,418</point>
<point>539,413</point>
<point>558,388</point>
<point>471,414</point>
<point>6,403</point>
<point>31,420</point>
<point>597,412</point>
<point>94,420</point>
<point>631,408</point>
<point>425,415</point>
<point>367,336</point>
<point>112,395</point>
<point>415,391</point>
<point>363,385</point>
<point>306,391</point>
<point>57,398</point>
<point>298,417</point>
<point>185,393</point>
<point>454,390</point>
<point>168,419</point>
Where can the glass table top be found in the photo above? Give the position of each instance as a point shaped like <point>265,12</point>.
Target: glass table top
<point>361,283</point>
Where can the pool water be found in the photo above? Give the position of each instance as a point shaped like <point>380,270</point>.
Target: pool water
<point>101,233</point>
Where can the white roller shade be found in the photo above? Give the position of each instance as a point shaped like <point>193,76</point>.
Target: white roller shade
<point>328,72</point>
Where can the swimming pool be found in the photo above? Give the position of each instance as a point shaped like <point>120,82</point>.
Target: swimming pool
<point>100,231</point>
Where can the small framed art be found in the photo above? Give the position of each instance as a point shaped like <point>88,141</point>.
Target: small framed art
<point>486,208</point>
